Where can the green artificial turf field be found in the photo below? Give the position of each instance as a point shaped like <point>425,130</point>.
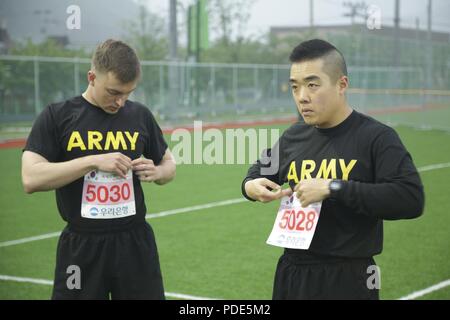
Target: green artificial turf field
<point>220,252</point>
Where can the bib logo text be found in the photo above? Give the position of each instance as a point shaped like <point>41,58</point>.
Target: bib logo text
<point>97,141</point>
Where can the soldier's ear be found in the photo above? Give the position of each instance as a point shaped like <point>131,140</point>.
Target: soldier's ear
<point>91,77</point>
<point>342,84</point>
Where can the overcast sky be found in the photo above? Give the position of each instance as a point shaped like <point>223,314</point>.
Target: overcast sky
<point>267,13</point>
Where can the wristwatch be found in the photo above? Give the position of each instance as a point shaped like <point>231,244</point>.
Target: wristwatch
<point>335,186</point>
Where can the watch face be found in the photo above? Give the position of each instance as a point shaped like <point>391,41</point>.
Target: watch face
<point>335,185</point>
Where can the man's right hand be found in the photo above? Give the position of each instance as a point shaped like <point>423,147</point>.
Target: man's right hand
<point>115,162</point>
<point>257,189</point>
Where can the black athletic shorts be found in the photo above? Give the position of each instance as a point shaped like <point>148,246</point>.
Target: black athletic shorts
<point>324,279</point>
<point>117,265</point>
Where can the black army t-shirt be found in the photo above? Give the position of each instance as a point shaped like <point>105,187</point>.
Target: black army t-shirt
<point>380,181</point>
<point>76,128</point>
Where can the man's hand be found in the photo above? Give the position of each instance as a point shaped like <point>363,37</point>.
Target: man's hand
<point>115,162</point>
<point>312,190</point>
<point>257,190</point>
<point>146,170</point>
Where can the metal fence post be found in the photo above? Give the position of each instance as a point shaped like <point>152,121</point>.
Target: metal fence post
<point>274,82</point>
<point>76,72</point>
<point>37,99</point>
<point>161,86</point>
<point>256,83</point>
<point>235,85</point>
<point>213,86</point>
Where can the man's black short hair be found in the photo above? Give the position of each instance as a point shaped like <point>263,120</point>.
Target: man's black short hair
<point>334,62</point>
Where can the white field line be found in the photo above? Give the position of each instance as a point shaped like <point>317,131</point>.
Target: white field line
<point>50,283</point>
<point>195,208</point>
<point>414,295</point>
<point>148,216</point>
<point>434,167</point>
<point>420,293</point>
<point>186,209</point>
<point>30,239</point>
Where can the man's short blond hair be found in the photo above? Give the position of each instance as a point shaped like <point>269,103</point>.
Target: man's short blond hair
<point>119,58</point>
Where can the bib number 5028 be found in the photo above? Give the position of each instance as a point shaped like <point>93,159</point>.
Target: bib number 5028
<point>297,220</point>
<point>102,194</point>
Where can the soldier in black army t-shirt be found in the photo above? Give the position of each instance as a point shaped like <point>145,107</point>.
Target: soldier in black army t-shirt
<point>356,166</point>
<point>94,150</point>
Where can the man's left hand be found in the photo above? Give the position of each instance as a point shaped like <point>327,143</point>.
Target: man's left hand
<point>146,170</point>
<point>312,190</point>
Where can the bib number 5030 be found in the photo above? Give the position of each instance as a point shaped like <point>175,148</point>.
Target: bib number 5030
<point>102,194</point>
<point>297,220</point>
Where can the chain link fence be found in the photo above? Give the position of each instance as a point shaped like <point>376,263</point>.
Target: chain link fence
<point>180,92</point>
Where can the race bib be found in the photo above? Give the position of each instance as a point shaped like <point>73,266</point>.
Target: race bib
<point>107,196</point>
<point>294,226</point>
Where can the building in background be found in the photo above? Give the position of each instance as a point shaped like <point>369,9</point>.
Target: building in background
<point>5,41</point>
<point>339,30</point>
<point>46,19</point>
